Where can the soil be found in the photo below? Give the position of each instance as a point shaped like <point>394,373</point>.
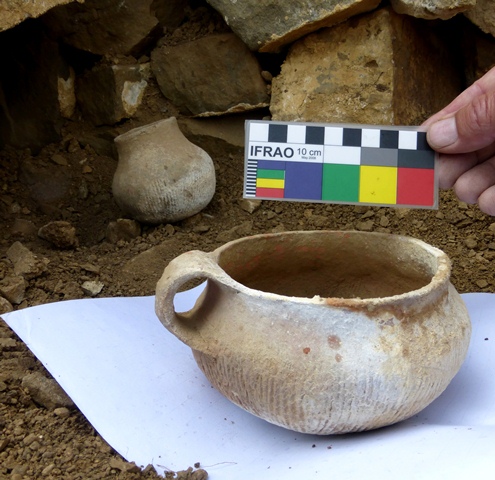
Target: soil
<point>70,181</point>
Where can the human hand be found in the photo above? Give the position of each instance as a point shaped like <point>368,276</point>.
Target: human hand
<point>464,135</point>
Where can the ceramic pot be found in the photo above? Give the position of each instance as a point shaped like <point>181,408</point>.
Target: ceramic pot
<point>322,332</point>
<point>161,176</point>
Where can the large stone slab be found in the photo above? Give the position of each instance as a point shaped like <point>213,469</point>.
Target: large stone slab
<point>431,9</point>
<point>378,68</point>
<point>483,15</point>
<point>13,12</point>
<point>267,25</point>
<point>109,27</point>
<point>109,93</point>
<point>212,75</point>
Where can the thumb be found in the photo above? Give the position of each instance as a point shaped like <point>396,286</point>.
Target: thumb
<point>469,129</point>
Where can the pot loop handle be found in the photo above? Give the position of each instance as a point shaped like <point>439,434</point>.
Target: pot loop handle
<point>188,266</point>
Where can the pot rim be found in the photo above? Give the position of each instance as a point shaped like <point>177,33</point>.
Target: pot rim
<point>440,278</point>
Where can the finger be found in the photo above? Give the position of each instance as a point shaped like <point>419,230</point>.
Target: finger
<point>471,184</point>
<point>482,86</point>
<point>469,129</point>
<point>451,167</point>
<point>486,201</point>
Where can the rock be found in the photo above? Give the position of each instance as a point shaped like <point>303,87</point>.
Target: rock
<point>69,290</point>
<point>358,72</point>
<point>5,306</point>
<point>29,87</point>
<point>216,135</point>
<point>123,229</point>
<point>67,94</point>
<point>366,226</point>
<point>13,12</point>
<point>384,221</point>
<point>89,267</point>
<point>120,464</point>
<point>243,230</point>
<point>25,262</point>
<point>471,242</point>
<point>7,344</point>
<point>59,160</point>
<point>60,234</point>
<point>92,287</point>
<point>199,474</point>
<point>109,94</point>
<point>431,9</point>
<point>62,412</point>
<point>267,25</point>
<point>13,288</point>
<point>46,391</point>
<point>250,205</point>
<point>108,27</point>
<point>212,75</point>
<point>483,15</point>
<point>318,221</point>
<point>29,439</point>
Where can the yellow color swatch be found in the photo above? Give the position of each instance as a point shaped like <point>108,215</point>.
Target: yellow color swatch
<point>270,183</point>
<point>378,185</point>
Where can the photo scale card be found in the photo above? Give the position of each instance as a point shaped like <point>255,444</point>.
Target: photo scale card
<point>347,164</point>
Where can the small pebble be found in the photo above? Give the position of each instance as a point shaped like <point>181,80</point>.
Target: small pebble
<point>482,283</point>
<point>62,412</point>
<point>471,242</point>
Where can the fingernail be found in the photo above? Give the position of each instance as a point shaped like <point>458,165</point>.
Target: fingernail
<point>443,133</point>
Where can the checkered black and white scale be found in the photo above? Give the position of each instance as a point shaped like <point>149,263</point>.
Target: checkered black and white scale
<point>354,164</point>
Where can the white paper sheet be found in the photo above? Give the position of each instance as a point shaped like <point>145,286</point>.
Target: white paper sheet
<point>142,391</point>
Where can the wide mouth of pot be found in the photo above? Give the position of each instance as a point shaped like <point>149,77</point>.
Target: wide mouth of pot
<point>338,264</point>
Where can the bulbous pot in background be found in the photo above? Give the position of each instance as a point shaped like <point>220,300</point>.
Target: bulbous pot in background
<point>322,332</point>
<point>161,176</point>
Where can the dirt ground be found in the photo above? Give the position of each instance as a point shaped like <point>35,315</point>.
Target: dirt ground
<point>65,445</point>
<point>70,181</point>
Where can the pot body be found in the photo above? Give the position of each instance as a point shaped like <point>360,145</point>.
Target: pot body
<point>322,332</point>
<point>161,176</point>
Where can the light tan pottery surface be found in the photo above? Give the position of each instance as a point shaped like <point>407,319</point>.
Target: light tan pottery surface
<point>322,332</point>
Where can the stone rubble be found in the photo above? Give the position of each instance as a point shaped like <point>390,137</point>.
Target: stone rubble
<point>13,289</point>
<point>182,72</point>
<point>26,263</point>
<point>110,93</point>
<point>60,234</point>
<point>13,12</point>
<point>356,72</point>
<point>483,15</point>
<point>110,27</point>
<point>46,391</point>
<point>432,9</point>
<point>92,287</point>
<point>268,25</point>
